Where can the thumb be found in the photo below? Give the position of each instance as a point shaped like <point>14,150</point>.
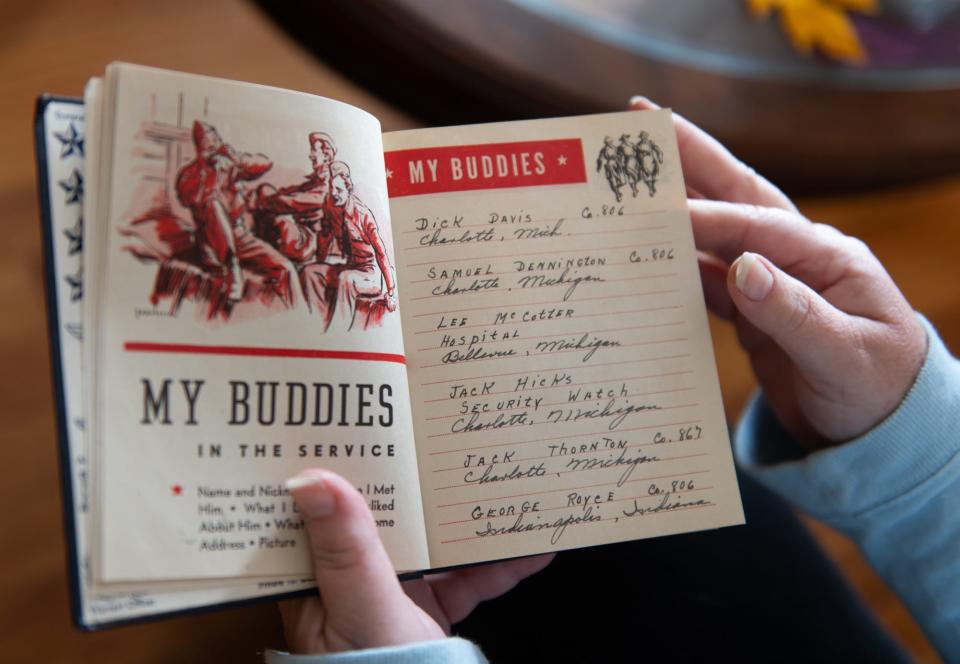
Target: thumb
<point>810,330</point>
<point>365,605</point>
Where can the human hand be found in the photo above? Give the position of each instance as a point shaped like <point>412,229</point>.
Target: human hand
<point>833,343</point>
<point>361,603</point>
<point>449,597</point>
<point>390,300</point>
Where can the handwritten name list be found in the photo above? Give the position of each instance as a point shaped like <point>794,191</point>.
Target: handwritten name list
<point>560,366</point>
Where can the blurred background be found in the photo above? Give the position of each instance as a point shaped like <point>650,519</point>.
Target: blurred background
<point>858,122</point>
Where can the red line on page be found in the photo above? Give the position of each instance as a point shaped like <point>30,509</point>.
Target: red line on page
<point>565,507</point>
<point>546,369</point>
<point>574,217</point>
<point>623,230</point>
<point>527,322</point>
<point>611,518</point>
<point>594,233</point>
<point>547,336</point>
<point>608,450</point>
<point>569,385</point>
<point>561,403</point>
<point>540,440</point>
<point>500,290</point>
<point>553,302</point>
<point>573,488</point>
<point>475,259</point>
<point>550,352</point>
<point>256,351</point>
<point>553,269</point>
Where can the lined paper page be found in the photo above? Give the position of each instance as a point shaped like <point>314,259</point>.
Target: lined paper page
<point>562,380</point>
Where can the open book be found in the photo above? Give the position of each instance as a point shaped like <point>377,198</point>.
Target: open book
<point>497,332</point>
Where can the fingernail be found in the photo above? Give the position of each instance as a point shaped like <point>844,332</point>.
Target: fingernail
<point>753,278</point>
<point>313,496</point>
<point>640,99</point>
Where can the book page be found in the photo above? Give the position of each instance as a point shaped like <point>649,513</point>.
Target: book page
<point>62,155</point>
<point>560,365</point>
<point>245,328</point>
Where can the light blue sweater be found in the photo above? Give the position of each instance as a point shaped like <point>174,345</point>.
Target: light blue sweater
<point>895,491</point>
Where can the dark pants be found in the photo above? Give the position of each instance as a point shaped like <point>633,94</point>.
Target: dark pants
<point>759,592</point>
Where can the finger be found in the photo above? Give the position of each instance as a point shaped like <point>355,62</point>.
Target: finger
<point>300,618</point>
<point>812,332</point>
<point>421,592</point>
<point>841,268</point>
<point>358,586</point>
<point>713,171</point>
<point>775,373</point>
<point>748,335</point>
<point>459,592</point>
<point>713,276</point>
<point>817,254</point>
<point>693,193</point>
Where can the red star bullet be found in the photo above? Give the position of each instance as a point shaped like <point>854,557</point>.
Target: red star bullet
<point>177,489</point>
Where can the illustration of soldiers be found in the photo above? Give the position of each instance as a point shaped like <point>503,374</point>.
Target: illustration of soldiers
<point>211,187</point>
<point>650,157</point>
<point>292,218</point>
<point>609,162</point>
<point>365,270</point>
<point>322,153</point>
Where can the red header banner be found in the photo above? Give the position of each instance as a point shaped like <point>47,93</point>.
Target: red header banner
<point>488,166</point>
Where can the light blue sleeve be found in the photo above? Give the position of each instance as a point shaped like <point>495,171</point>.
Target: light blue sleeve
<point>895,490</point>
<point>445,651</point>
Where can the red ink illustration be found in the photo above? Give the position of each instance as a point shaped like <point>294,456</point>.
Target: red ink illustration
<point>246,240</point>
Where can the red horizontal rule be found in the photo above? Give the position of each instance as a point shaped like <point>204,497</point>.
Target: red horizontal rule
<point>486,166</point>
<point>256,351</point>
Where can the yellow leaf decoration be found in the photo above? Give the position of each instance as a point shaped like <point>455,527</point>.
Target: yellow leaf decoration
<point>819,24</point>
